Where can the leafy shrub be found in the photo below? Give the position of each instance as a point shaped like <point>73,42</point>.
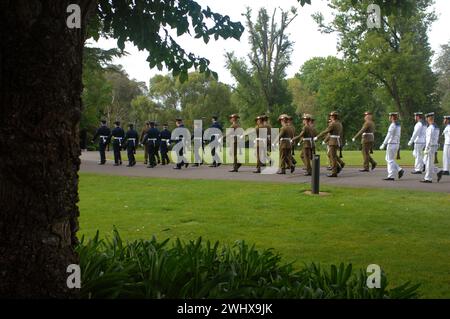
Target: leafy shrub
<point>196,269</point>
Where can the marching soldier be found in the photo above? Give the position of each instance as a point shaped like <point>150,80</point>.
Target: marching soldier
<point>103,133</point>
<point>143,132</point>
<point>307,137</point>
<point>151,138</point>
<point>181,160</point>
<point>164,137</point>
<point>117,136</point>
<point>431,147</point>
<point>392,141</point>
<point>418,138</point>
<point>367,139</point>
<point>261,143</point>
<point>215,143</point>
<point>234,120</point>
<point>131,138</point>
<point>285,137</point>
<point>334,142</point>
<point>446,152</point>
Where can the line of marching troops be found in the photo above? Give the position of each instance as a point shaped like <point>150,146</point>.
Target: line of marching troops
<point>425,139</point>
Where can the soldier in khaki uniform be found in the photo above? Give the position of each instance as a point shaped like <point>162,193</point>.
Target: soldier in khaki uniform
<point>260,143</point>
<point>307,137</point>
<point>234,120</point>
<point>143,132</point>
<point>285,137</point>
<point>334,130</point>
<point>367,139</point>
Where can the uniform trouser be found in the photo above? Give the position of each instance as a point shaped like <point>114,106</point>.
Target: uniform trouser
<point>446,158</point>
<point>391,154</point>
<point>152,148</point>
<point>181,160</point>
<point>157,152</point>
<point>261,149</point>
<point>328,155</point>
<point>146,153</point>
<point>215,157</point>
<point>235,155</point>
<point>164,154</point>
<point>340,162</point>
<point>197,157</point>
<point>418,155</point>
<point>131,150</point>
<point>101,150</point>
<point>116,149</point>
<point>430,168</point>
<point>367,158</point>
<point>286,157</point>
<point>306,156</point>
<point>334,158</point>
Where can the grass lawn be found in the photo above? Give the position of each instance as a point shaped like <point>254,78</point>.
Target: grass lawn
<point>351,158</point>
<point>407,233</point>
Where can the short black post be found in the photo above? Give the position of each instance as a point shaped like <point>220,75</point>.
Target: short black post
<point>315,175</point>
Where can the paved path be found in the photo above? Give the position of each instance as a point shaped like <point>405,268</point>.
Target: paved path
<point>350,177</point>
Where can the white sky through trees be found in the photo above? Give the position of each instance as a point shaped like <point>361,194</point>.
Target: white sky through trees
<point>309,42</point>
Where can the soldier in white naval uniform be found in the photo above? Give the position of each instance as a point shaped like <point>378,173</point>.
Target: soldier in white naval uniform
<point>446,153</point>
<point>418,138</point>
<point>431,147</point>
<point>392,144</point>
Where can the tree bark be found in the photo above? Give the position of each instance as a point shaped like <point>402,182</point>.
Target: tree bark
<point>40,105</point>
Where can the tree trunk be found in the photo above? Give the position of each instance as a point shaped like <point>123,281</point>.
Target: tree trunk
<point>40,94</point>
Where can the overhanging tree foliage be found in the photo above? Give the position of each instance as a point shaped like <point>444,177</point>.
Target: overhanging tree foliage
<point>397,55</point>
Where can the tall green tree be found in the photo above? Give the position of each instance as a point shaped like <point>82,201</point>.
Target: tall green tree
<point>97,91</point>
<point>442,67</point>
<point>262,87</point>
<point>338,86</point>
<point>397,55</point>
<point>123,91</point>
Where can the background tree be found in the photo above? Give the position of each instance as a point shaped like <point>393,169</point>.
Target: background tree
<point>397,55</point>
<point>262,87</point>
<point>442,67</point>
<point>123,92</point>
<point>337,85</point>
<point>198,97</point>
<point>303,99</point>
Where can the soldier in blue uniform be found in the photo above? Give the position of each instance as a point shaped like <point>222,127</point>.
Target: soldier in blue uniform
<point>103,133</point>
<point>152,141</point>
<point>164,137</point>
<point>131,140</point>
<point>215,143</point>
<point>117,136</point>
